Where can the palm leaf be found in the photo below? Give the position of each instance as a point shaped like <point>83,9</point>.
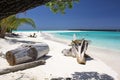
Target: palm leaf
<point>13,22</point>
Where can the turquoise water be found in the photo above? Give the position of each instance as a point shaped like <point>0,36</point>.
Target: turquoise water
<point>104,39</point>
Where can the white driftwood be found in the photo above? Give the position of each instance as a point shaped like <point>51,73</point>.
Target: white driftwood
<point>26,53</point>
<point>80,53</point>
<point>78,50</point>
<point>74,37</point>
<point>22,66</point>
<point>40,48</point>
<point>69,52</point>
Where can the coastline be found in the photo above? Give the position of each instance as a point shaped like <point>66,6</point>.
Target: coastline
<point>57,65</point>
<point>109,57</point>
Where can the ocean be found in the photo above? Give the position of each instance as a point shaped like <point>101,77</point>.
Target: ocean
<point>103,39</point>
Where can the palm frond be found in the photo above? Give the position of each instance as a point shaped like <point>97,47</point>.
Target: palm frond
<point>13,22</point>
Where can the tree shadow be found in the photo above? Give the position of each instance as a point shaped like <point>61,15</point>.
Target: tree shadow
<point>21,41</point>
<point>13,35</point>
<point>91,76</point>
<point>86,76</point>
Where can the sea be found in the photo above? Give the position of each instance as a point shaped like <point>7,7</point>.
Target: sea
<point>103,39</point>
<point>107,40</point>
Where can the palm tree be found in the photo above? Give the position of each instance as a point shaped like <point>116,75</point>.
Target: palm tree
<point>12,23</point>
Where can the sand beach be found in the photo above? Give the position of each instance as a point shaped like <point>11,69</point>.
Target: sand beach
<point>59,66</point>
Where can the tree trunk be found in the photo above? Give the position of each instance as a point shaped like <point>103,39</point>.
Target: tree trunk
<point>22,66</point>
<point>3,30</point>
<point>26,53</point>
<point>2,35</point>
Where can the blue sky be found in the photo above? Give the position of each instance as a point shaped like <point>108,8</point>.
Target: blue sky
<point>87,14</point>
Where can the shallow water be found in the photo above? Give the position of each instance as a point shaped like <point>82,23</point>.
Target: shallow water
<point>104,39</point>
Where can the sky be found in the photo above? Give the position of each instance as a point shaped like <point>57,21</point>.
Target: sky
<point>87,14</point>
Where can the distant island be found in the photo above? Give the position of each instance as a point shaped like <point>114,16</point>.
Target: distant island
<point>118,30</point>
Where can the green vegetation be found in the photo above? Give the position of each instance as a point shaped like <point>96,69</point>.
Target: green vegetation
<point>60,5</point>
<point>12,23</point>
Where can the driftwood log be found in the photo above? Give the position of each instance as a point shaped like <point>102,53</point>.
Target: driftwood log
<point>78,50</point>
<point>41,48</point>
<point>27,53</point>
<point>22,66</point>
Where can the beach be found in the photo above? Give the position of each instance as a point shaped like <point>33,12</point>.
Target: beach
<point>59,66</point>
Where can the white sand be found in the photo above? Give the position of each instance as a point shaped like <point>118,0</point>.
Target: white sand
<point>57,65</point>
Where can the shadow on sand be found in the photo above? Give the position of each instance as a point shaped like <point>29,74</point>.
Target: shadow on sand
<point>45,57</point>
<point>86,76</point>
<point>20,41</point>
<point>88,58</point>
<point>91,76</point>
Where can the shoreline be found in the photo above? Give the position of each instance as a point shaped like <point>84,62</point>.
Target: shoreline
<point>57,65</point>
<point>103,54</point>
<point>109,57</point>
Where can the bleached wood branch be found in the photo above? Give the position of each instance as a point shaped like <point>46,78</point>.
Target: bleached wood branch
<point>22,66</point>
